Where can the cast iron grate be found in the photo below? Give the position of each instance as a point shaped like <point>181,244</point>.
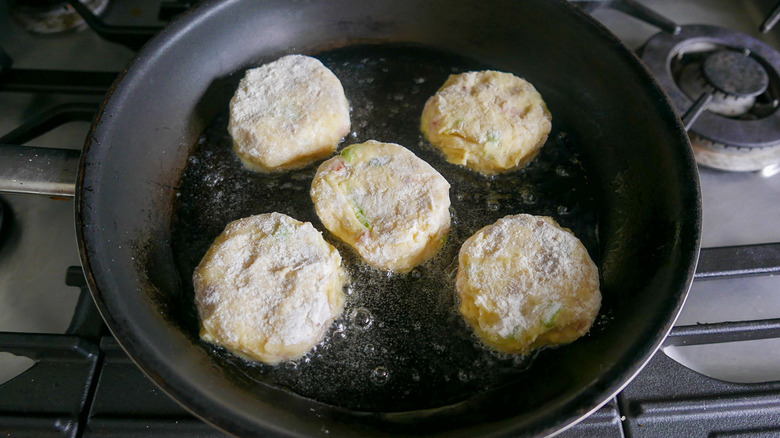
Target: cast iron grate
<point>85,385</point>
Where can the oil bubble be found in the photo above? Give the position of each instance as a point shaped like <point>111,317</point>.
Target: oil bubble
<point>380,376</point>
<point>422,310</point>
<point>561,171</point>
<point>562,210</point>
<point>361,318</point>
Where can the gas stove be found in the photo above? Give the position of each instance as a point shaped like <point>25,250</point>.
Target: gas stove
<point>719,373</point>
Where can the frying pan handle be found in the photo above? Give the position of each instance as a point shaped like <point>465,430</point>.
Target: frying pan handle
<point>37,170</point>
<point>634,9</point>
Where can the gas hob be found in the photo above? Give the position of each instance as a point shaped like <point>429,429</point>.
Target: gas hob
<point>718,375</point>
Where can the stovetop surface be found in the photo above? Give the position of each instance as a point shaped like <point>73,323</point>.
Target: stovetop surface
<point>100,392</point>
<point>738,208</point>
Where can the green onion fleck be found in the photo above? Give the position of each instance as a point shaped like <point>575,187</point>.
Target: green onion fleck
<point>494,136</point>
<point>361,215</point>
<point>281,232</point>
<point>349,152</point>
<point>551,315</point>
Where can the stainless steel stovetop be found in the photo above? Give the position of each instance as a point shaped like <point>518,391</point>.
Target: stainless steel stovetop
<point>738,208</point>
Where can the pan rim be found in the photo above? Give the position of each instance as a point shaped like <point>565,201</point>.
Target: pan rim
<point>177,387</point>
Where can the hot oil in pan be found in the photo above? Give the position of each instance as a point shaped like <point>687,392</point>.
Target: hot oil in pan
<point>400,343</point>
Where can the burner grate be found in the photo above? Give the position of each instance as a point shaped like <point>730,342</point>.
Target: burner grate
<point>726,85</point>
<point>49,398</point>
<point>667,399</point>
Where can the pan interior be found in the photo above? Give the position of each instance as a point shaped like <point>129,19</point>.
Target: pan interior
<point>400,344</point>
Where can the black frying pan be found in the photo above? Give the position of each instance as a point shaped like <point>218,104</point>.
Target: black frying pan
<point>617,169</point>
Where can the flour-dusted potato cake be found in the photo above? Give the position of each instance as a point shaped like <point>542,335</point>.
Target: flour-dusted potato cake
<point>489,121</point>
<point>268,288</point>
<point>385,202</point>
<point>525,282</point>
<point>287,114</point>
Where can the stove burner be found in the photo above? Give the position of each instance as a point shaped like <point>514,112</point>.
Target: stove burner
<point>694,82</point>
<point>735,74</point>
<point>52,16</point>
<point>740,130</point>
<point>735,159</point>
